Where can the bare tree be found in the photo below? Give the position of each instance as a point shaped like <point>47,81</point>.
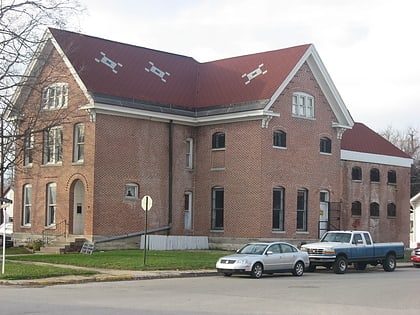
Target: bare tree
<point>22,25</point>
<point>409,142</point>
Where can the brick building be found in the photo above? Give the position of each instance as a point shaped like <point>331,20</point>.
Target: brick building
<point>250,147</point>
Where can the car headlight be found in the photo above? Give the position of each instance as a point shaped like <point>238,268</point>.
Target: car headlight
<point>242,261</point>
<point>413,253</point>
<point>304,249</point>
<point>329,251</point>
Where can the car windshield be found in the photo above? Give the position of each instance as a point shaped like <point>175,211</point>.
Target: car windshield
<point>255,249</point>
<point>337,237</point>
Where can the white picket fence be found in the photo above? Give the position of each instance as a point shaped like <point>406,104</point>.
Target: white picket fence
<point>173,242</point>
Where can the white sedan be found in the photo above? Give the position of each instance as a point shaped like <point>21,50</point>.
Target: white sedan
<point>257,259</point>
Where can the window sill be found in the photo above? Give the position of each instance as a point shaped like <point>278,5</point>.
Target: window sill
<point>28,226</point>
<point>303,117</point>
<point>279,148</point>
<point>217,169</point>
<point>218,149</point>
<point>52,164</point>
<point>302,232</point>
<point>278,231</point>
<point>325,153</point>
<point>50,227</point>
<point>217,231</point>
<point>78,163</point>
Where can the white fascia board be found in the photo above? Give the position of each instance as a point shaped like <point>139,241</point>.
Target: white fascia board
<point>183,120</point>
<point>375,158</point>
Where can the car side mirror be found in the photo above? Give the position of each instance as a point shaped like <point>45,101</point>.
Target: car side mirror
<point>269,253</point>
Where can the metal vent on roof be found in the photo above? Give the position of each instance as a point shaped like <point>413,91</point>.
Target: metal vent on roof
<point>160,73</point>
<point>108,62</point>
<point>253,74</point>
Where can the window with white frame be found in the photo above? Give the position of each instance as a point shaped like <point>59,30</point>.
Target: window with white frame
<point>55,96</point>
<point>131,191</point>
<point>29,148</point>
<point>51,203</point>
<point>302,210</point>
<point>303,105</point>
<point>189,153</point>
<point>187,210</point>
<point>53,145</point>
<point>27,205</point>
<point>79,143</point>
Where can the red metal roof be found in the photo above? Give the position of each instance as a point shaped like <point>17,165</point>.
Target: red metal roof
<point>131,72</point>
<point>363,139</point>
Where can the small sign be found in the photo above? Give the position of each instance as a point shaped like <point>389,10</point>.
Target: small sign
<point>87,248</point>
<point>146,203</point>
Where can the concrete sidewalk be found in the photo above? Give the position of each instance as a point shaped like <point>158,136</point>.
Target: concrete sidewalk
<point>107,275</point>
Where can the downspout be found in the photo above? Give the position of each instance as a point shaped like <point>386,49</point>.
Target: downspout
<point>170,173</point>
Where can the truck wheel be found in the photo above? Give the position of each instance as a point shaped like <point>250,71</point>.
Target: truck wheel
<point>390,262</point>
<point>340,265</point>
<point>299,268</point>
<point>257,271</point>
<point>361,266</point>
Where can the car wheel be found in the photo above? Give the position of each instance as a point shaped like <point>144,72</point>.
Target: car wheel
<point>257,270</point>
<point>340,265</point>
<point>227,274</point>
<point>390,262</point>
<point>311,268</point>
<point>298,269</point>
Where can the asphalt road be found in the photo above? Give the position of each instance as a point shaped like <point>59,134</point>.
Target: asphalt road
<point>369,292</point>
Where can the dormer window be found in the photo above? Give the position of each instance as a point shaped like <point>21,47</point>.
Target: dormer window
<point>303,105</point>
<point>55,96</point>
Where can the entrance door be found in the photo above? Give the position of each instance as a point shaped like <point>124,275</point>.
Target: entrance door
<point>78,208</point>
<point>324,202</point>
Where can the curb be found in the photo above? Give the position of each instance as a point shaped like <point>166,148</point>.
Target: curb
<point>103,278</point>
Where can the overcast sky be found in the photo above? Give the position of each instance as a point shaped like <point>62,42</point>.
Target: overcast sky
<point>369,47</point>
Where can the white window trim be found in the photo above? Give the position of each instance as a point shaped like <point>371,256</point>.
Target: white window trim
<point>51,204</point>
<point>131,191</point>
<point>55,101</point>
<point>57,145</point>
<point>189,153</point>
<point>303,105</point>
<point>27,196</point>
<point>78,144</point>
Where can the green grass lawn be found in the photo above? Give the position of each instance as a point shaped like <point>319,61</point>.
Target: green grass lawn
<point>134,259</point>
<point>20,271</point>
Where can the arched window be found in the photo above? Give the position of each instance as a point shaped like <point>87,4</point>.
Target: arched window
<point>325,145</point>
<point>374,209</point>
<point>374,175</point>
<point>356,209</point>
<point>218,140</point>
<point>391,210</point>
<point>392,177</point>
<point>356,173</point>
<point>279,138</point>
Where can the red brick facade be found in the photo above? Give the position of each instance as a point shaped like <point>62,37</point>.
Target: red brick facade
<point>123,149</point>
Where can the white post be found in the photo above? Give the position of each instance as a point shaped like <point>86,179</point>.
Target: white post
<point>5,203</point>
<point>3,208</point>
